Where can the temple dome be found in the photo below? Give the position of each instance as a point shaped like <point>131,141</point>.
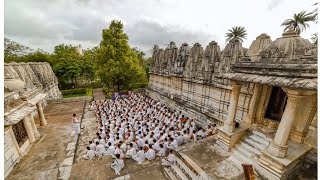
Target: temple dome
<point>14,84</point>
<point>287,48</point>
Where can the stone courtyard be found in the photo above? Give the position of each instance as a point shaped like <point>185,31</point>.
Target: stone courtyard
<point>52,156</point>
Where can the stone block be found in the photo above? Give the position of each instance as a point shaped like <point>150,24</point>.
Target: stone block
<point>15,156</point>
<point>71,146</point>
<point>7,165</point>
<point>9,153</point>
<point>68,161</point>
<point>64,172</point>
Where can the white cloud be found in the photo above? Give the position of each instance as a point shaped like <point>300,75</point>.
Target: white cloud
<point>45,23</point>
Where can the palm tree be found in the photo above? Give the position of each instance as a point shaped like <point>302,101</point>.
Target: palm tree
<point>238,32</point>
<point>299,21</point>
<point>315,12</point>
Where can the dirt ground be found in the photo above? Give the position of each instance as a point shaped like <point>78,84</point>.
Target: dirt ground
<point>46,158</point>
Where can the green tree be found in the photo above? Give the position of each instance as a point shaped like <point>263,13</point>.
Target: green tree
<point>116,63</point>
<point>238,32</point>
<point>299,21</point>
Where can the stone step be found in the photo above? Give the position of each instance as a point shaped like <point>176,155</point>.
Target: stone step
<point>244,151</point>
<point>186,170</point>
<point>177,171</point>
<point>259,140</point>
<point>255,151</point>
<point>169,174</point>
<point>242,157</point>
<point>262,135</point>
<point>254,144</point>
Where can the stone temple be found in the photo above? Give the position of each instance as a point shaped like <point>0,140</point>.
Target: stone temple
<point>270,89</point>
<point>27,87</point>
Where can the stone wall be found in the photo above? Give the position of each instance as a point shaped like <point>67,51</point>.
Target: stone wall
<point>11,154</point>
<point>205,103</point>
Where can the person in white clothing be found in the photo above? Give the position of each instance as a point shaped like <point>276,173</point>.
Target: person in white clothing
<point>131,151</point>
<point>140,156</point>
<point>162,151</point>
<point>90,154</point>
<point>150,154</point>
<point>117,164</point>
<point>100,149</point>
<point>76,124</point>
<point>110,150</point>
<point>169,160</point>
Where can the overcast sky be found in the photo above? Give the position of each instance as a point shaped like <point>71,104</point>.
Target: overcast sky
<point>46,23</point>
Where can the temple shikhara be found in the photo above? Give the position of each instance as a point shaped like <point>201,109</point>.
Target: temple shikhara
<point>268,90</point>
<point>27,87</point>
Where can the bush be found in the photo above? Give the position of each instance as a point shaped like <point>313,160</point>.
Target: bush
<point>78,91</point>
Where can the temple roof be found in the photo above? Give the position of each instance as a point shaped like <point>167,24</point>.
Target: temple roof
<point>290,82</point>
<point>17,115</point>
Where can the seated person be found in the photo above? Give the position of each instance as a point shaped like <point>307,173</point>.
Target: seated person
<point>140,156</point>
<point>90,154</point>
<point>131,151</point>
<point>169,160</point>
<point>150,154</point>
<point>117,164</point>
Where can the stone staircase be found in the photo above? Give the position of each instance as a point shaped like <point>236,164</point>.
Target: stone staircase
<point>248,150</point>
<point>185,169</point>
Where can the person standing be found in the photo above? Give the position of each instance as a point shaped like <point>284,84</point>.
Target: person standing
<point>76,124</point>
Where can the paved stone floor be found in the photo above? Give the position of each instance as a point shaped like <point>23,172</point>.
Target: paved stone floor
<point>98,94</point>
<point>51,157</point>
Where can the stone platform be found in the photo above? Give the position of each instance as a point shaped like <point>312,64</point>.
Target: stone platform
<point>51,157</point>
<point>100,169</point>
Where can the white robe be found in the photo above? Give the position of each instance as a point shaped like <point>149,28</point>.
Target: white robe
<point>150,154</point>
<point>100,150</point>
<point>117,165</point>
<point>169,161</point>
<point>162,152</point>
<point>89,155</point>
<point>131,152</point>
<point>110,150</point>
<point>139,157</point>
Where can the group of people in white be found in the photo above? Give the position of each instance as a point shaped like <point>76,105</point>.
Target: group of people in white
<point>140,128</point>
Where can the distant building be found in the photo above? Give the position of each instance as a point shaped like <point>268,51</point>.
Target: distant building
<point>79,49</point>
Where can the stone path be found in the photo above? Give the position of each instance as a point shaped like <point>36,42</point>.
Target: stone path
<point>52,156</point>
<point>89,126</point>
<point>98,94</point>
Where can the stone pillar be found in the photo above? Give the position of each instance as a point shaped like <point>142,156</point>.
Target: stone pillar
<point>254,104</point>
<point>43,121</point>
<point>304,118</point>
<point>278,147</point>
<point>28,127</point>
<point>232,110</point>
<point>34,127</point>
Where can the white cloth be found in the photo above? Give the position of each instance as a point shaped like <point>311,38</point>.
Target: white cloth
<point>89,155</point>
<point>110,150</point>
<point>100,149</point>
<point>139,157</point>
<point>150,154</point>
<point>169,161</point>
<point>117,165</point>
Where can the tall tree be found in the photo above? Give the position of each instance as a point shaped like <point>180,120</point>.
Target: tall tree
<point>117,64</point>
<point>236,32</point>
<point>299,22</point>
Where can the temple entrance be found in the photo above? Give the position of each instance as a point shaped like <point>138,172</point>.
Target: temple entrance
<point>276,105</point>
<point>20,133</point>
